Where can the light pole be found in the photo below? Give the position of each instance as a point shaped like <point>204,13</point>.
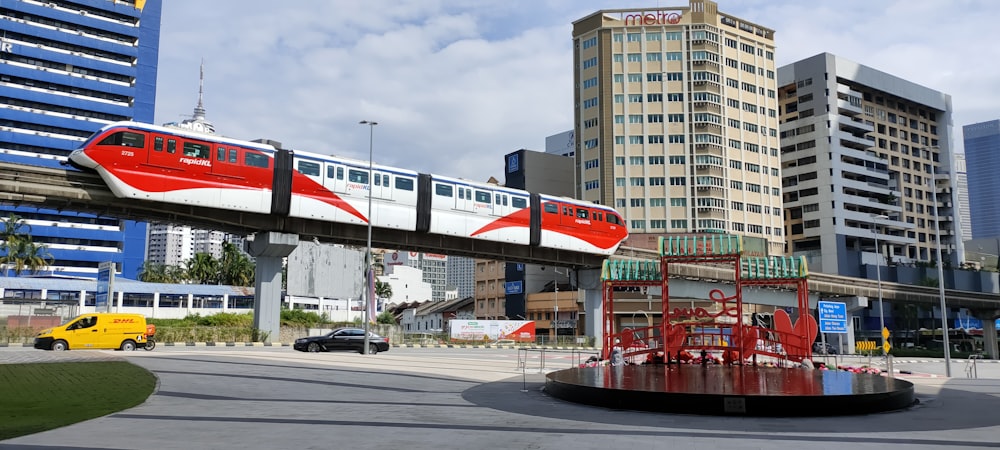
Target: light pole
<point>940,270</point>
<point>878,272</point>
<point>369,276</point>
<point>555,306</point>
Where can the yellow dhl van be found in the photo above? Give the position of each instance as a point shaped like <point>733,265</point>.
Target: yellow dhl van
<point>96,331</point>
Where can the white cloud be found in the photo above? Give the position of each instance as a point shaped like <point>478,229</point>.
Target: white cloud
<point>457,84</point>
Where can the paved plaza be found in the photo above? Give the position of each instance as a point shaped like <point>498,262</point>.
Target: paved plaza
<point>277,398</point>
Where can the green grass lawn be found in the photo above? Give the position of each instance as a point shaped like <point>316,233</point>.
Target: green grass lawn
<point>39,397</point>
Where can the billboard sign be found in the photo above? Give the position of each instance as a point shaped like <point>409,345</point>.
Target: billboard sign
<point>492,330</point>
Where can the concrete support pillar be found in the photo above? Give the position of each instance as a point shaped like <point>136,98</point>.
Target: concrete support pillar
<point>589,281</point>
<point>990,338</point>
<point>269,249</point>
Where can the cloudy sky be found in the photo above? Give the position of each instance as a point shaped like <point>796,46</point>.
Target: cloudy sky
<point>456,84</point>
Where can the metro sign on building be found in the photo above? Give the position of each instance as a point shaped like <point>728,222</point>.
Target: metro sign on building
<point>652,18</point>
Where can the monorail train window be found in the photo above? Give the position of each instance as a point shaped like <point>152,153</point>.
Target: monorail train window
<point>550,208</point>
<point>158,144</point>
<point>567,211</point>
<point>171,146</point>
<point>232,155</point>
<point>378,179</point>
<point>125,139</point>
<point>220,153</point>
<point>582,213</point>
<point>461,194</point>
<point>404,184</point>
<point>598,216</point>
<point>256,160</point>
<point>309,168</point>
<point>196,150</point>
<point>357,176</point>
<point>482,197</point>
<point>443,190</point>
<point>613,219</point>
<point>335,172</point>
<point>385,180</point>
<point>519,202</point>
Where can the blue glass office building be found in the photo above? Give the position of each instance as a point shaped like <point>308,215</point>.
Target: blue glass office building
<point>67,68</point>
<point>982,159</point>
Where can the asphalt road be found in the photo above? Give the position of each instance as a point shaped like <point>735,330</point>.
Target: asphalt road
<point>277,398</point>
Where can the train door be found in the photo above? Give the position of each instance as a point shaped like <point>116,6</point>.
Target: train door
<point>335,180</point>
<point>463,199</point>
<point>597,224</point>
<point>381,199</point>
<point>380,186</point>
<point>163,151</point>
<point>226,163</point>
<point>567,215</point>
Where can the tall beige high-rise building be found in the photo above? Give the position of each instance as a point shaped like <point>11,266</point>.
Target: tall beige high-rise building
<point>676,121</point>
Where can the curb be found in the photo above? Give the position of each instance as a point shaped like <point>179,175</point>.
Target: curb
<point>288,344</point>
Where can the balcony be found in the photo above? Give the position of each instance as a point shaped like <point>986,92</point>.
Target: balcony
<point>855,126</point>
<point>709,169</point>
<point>852,141</point>
<point>702,106</point>
<point>846,108</point>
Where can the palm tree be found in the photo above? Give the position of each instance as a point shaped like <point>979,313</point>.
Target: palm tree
<point>203,269</point>
<point>236,268</point>
<point>18,250</point>
<point>34,257</point>
<point>383,290</point>
<point>151,272</point>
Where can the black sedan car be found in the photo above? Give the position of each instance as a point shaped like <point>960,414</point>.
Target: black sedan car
<point>343,339</point>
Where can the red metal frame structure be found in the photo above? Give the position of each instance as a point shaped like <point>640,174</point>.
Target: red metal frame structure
<point>719,249</point>
<point>623,273</point>
<point>685,329</point>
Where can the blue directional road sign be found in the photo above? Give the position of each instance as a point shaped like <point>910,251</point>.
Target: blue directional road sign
<point>832,317</point>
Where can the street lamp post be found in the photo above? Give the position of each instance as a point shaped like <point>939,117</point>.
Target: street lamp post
<point>368,252</point>
<point>878,272</point>
<point>940,270</point>
<point>555,306</point>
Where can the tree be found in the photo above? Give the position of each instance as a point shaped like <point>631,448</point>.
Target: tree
<point>203,269</point>
<point>383,290</point>
<point>18,251</point>
<point>151,272</point>
<point>386,317</point>
<point>236,268</point>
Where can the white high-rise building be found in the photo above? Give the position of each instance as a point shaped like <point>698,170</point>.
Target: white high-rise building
<point>865,152</point>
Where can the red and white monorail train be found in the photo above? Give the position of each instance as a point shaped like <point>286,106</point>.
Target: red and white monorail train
<point>178,166</point>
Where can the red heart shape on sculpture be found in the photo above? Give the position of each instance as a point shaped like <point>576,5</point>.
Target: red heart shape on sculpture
<point>797,339</point>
